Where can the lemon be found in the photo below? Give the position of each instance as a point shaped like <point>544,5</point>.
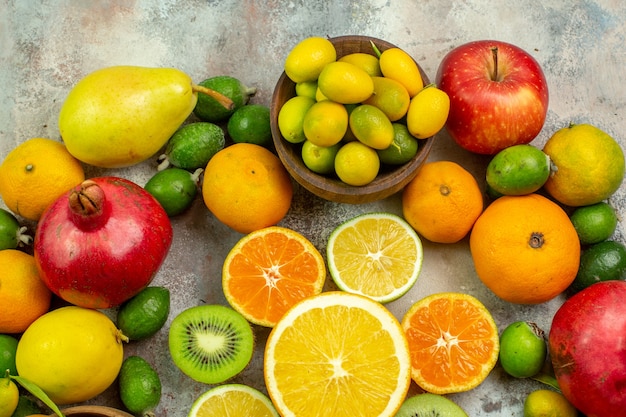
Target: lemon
<point>345,83</point>
<point>368,63</point>
<point>319,96</point>
<point>545,402</point>
<point>9,396</point>
<point>370,125</point>
<point>588,165</point>
<point>428,112</point>
<point>356,163</point>
<point>319,159</point>
<point>391,97</point>
<point>594,223</point>
<point>291,118</point>
<point>306,60</point>
<point>325,123</point>
<point>73,354</point>
<point>306,89</point>
<point>232,400</point>
<point>396,64</point>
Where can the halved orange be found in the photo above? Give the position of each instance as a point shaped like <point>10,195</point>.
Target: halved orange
<point>453,340</point>
<point>270,270</point>
<point>337,354</point>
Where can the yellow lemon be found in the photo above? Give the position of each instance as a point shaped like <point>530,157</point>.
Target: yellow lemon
<point>356,163</point>
<point>391,97</point>
<point>544,402</point>
<point>345,83</point>
<point>306,60</point>
<point>307,89</point>
<point>325,123</point>
<point>35,173</point>
<point>71,353</point>
<point>291,118</point>
<point>428,112</point>
<point>9,397</point>
<point>368,63</point>
<point>398,65</point>
<point>371,126</point>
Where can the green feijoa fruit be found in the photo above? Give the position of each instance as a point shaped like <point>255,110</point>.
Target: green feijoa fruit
<point>26,406</point>
<point>319,159</point>
<point>518,170</point>
<point>192,146</point>
<point>144,314</point>
<point>250,124</point>
<point>594,223</point>
<point>523,349</point>
<point>174,188</point>
<point>12,234</point>
<point>603,261</point>
<point>402,149</point>
<point>8,347</point>
<point>139,385</point>
<point>210,110</point>
<point>428,404</point>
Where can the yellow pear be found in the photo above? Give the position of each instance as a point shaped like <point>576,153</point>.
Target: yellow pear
<point>122,115</point>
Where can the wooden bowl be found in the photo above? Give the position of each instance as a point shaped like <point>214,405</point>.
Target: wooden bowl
<point>93,411</point>
<point>390,179</point>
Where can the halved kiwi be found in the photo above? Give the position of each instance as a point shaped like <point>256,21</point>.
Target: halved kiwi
<point>211,343</point>
<point>430,405</point>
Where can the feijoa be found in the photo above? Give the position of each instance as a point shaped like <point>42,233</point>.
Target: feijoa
<point>523,349</point>
<point>174,188</point>
<point>603,261</point>
<point>140,386</point>
<point>518,170</point>
<point>210,110</point>
<point>144,314</point>
<point>250,124</point>
<point>192,146</point>
<point>12,234</point>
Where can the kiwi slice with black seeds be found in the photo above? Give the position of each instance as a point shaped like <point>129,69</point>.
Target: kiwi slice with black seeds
<point>430,405</point>
<point>211,343</point>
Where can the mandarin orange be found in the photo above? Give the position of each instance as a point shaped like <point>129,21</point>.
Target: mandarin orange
<point>246,187</point>
<point>268,271</point>
<point>525,249</point>
<point>23,295</point>
<point>442,202</point>
<point>453,340</point>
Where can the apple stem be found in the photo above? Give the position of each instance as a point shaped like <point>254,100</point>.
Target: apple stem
<point>225,101</point>
<point>494,54</point>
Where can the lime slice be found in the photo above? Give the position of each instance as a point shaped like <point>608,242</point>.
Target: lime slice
<point>377,255</point>
<point>233,400</point>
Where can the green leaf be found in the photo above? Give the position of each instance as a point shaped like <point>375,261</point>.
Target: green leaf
<point>37,392</point>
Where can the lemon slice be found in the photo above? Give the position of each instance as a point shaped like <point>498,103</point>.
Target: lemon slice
<point>378,255</point>
<point>337,354</point>
<point>233,400</point>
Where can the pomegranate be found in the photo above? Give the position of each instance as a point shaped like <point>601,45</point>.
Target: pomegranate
<point>587,343</point>
<point>102,242</point>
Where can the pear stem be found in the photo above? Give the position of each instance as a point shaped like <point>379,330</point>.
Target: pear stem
<point>226,102</point>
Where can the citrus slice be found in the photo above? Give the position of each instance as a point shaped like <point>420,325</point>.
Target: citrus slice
<point>453,341</point>
<point>270,270</point>
<point>378,255</point>
<point>337,354</point>
<point>233,400</point>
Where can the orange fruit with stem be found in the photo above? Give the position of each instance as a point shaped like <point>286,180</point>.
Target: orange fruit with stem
<point>453,340</point>
<point>525,249</point>
<point>442,202</point>
<point>246,187</point>
<point>270,270</point>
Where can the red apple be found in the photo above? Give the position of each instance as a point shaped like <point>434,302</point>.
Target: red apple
<point>498,95</point>
<point>587,343</point>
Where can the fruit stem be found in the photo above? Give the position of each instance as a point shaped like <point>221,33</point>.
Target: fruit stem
<point>22,237</point>
<point>376,50</point>
<point>165,162</point>
<point>494,54</point>
<point>226,102</point>
<point>196,174</point>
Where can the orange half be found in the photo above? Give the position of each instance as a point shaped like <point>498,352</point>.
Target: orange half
<point>453,340</point>
<point>270,270</point>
